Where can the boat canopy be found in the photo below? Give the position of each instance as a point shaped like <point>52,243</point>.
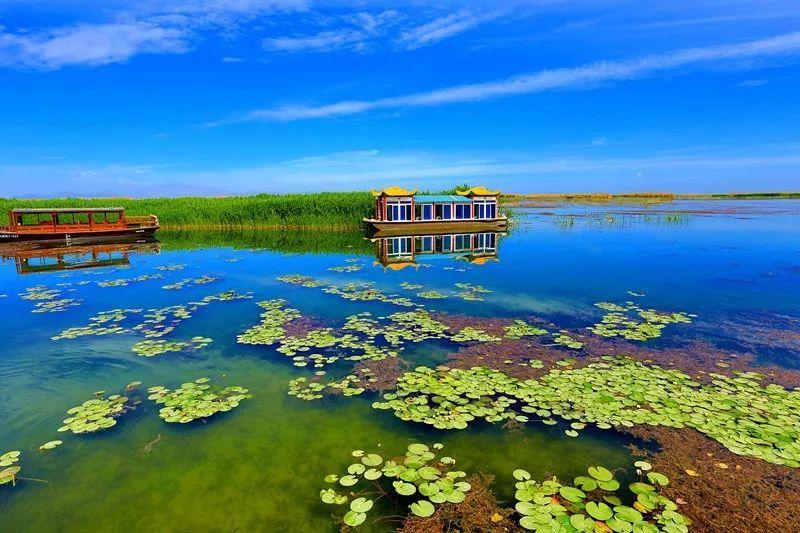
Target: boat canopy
<point>441,199</point>
<point>45,210</point>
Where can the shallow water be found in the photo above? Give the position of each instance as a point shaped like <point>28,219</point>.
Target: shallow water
<point>260,466</point>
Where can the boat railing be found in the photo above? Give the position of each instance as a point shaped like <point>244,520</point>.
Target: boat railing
<point>142,220</point>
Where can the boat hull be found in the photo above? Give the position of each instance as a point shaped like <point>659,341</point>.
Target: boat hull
<point>436,227</point>
<point>78,236</point>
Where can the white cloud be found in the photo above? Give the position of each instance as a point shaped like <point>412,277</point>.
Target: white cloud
<point>97,44</point>
<point>545,80</point>
<point>362,28</point>
<point>444,28</point>
<point>752,83</point>
<point>167,27</point>
<point>599,141</point>
<point>359,170</point>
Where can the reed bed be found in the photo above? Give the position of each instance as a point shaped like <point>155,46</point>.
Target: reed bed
<point>318,210</point>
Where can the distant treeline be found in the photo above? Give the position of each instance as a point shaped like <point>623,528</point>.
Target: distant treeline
<point>269,211</point>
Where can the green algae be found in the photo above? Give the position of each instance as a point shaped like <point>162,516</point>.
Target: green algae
<point>124,282</point>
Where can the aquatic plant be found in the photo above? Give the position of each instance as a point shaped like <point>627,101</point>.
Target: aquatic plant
<point>431,295</point>
<point>39,292</point>
<point>151,348</point>
<point>202,280</point>
<point>55,306</point>
<point>273,323</point>
<point>50,445</point>
<point>416,479</point>
<point>355,292</point>
<point>471,292</point>
<point>564,339</point>
<point>520,329</point>
<point>593,504</point>
<point>9,468</point>
<point>318,210</point>
<point>171,268</point>
<point>95,415</point>
<point>124,282</point>
<point>153,323</point>
<point>305,389</point>
<point>410,286</point>
<point>195,400</point>
<point>346,268</point>
<point>634,323</point>
<point>470,334</point>
<point>739,412</point>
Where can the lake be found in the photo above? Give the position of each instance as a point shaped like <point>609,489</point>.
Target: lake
<point>729,269</point>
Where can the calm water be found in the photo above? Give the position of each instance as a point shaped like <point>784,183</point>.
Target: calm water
<point>260,466</point>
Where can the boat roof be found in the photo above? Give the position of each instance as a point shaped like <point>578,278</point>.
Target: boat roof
<point>34,210</point>
<point>440,199</point>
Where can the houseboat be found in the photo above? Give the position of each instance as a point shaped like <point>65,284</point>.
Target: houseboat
<point>400,211</point>
<point>401,251</point>
<point>75,224</point>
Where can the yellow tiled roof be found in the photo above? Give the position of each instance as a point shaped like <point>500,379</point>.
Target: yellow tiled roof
<point>478,191</point>
<point>394,191</point>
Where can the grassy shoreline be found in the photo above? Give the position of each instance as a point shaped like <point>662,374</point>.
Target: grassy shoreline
<point>325,210</point>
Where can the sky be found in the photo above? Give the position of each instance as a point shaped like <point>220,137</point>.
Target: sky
<point>218,97</point>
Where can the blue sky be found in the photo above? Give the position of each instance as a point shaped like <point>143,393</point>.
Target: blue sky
<point>239,96</point>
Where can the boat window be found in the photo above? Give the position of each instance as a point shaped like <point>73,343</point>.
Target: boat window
<point>447,212</point>
<point>396,211</point>
<point>427,212</point>
<point>463,211</point>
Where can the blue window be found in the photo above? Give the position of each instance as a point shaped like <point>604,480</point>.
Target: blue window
<point>447,243</point>
<point>463,211</point>
<point>462,242</point>
<point>427,212</point>
<point>447,211</point>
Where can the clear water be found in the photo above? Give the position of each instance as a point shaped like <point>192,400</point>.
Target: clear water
<point>260,467</point>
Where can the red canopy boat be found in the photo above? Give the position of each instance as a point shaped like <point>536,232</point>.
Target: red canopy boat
<point>70,224</point>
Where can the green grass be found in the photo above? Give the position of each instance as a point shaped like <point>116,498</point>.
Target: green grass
<point>317,210</point>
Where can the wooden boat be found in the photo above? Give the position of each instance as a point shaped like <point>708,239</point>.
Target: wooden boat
<point>75,224</point>
<point>401,212</point>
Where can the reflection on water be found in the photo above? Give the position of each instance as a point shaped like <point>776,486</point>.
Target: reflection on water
<point>399,252</point>
<point>37,258</point>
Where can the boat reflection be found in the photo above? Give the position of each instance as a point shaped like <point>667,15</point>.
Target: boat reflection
<point>398,252</point>
<point>32,258</point>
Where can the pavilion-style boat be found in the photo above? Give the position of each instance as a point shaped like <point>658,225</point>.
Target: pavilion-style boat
<point>75,224</point>
<point>401,211</point>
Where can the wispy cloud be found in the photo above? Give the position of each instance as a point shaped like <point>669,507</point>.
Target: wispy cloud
<point>445,27</point>
<point>545,80</point>
<point>362,28</point>
<point>97,44</point>
<point>752,83</point>
<point>517,171</point>
<point>169,27</point>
